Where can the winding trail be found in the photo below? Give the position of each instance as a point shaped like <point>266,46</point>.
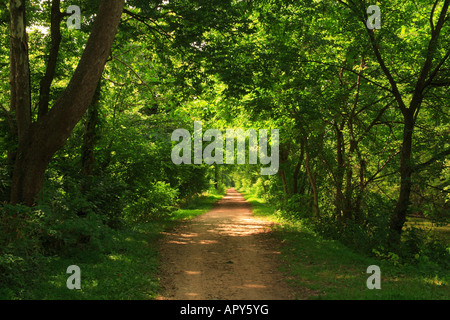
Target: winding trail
<point>225,254</point>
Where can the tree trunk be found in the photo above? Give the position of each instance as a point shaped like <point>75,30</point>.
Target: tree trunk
<point>339,197</point>
<point>284,181</point>
<point>216,177</point>
<point>349,212</point>
<point>358,200</point>
<point>29,169</point>
<point>90,135</point>
<point>284,155</point>
<point>55,35</point>
<point>312,182</point>
<point>20,102</point>
<point>348,203</point>
<point>399,217</point>
<point>39,141</point>
<point>297,169</point>
<point>425,79</point>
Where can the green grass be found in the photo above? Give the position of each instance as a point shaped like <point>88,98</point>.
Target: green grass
<point>198,206</point>
<point>122,266</point>
<point>126,268</point>
<point>439,231</point>
<point>324,269</point>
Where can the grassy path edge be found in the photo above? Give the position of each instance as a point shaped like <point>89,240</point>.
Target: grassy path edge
<point>122,266</point>
<point>331,271</point>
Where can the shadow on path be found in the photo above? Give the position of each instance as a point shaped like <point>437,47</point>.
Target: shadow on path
<point>225,254</point>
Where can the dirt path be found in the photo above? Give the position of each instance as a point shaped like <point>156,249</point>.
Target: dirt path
<point>225,254</point>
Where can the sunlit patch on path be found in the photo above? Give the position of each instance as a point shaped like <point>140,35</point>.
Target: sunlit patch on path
<point>226,253</point>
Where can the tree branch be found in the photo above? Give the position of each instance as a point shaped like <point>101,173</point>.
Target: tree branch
<point>437,69</point>
<point>441,83</point>
<point>142,20</point>
<point>394,88</point>
<point>60,120</point>
<point>349,70</point>
<point>46,81</point>
<point>432,46</point>
<point>392,82</point>
<point>372,178</point>
<point>437,157</point>
<point>137,75</point>
<point>432,15</point>
<point>374,122</point>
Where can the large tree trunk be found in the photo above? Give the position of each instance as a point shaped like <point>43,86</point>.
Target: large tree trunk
<point>20,103</point>
<point>29,168</point>
<point>39,141</point>
<point>20,92</point>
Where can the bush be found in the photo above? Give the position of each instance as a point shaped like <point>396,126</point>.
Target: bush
<point>20,247</point>
<point>296,207</point>
<point>107,198</point>
<point>154,203</point>
<point>102,195</point>
<point>70,233</point>
<point>21,228</point>
<point>368,230</point>
<point>419,248</point>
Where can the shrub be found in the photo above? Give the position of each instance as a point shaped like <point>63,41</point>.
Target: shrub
<point>296,207</point>
<point>21,228</point>
<point>20,247</point>
<point>107,198</point>
<point>155,202</point>
<point>69,233</point>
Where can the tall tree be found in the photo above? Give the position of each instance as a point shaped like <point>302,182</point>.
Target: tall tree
<point>39,140</point>
<point>426,77</point>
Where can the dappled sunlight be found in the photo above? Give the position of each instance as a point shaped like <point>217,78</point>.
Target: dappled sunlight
<point>255,286</point>
<point>117,257</point>
<point>178,242</point>
<point>239,229</point>
<point>435,281</point>
<point>192,294</point>
<point>207,241</point>
<point>223,254</point>
<point>189,235</point>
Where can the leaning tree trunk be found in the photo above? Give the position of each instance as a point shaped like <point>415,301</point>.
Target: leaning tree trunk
<point>39,141</point>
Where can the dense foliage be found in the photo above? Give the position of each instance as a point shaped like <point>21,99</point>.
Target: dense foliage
<point>363,118</point>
